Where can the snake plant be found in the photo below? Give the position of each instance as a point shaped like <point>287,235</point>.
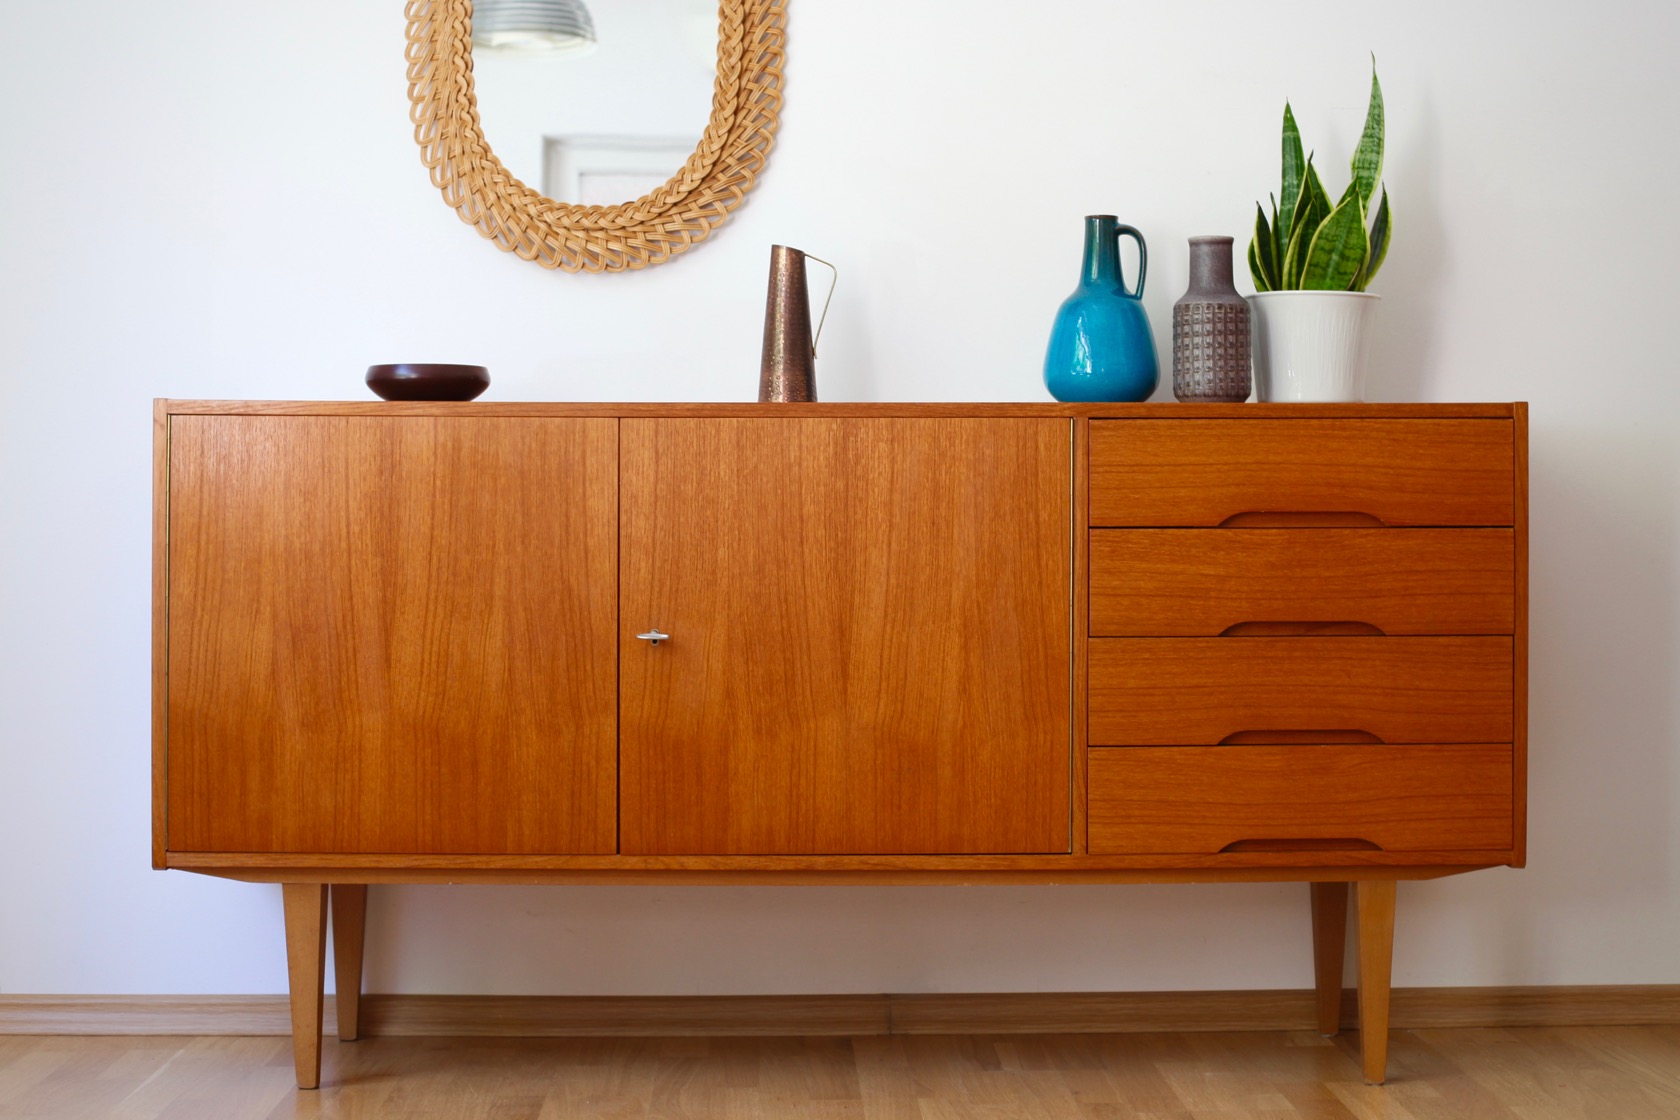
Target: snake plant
<point>1310,244</point>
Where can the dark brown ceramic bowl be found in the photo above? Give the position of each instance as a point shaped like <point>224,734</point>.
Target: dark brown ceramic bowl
<point>409,381</point>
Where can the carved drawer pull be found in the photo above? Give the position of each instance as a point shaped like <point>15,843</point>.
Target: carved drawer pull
<point>1302,519</point>
<point>1282,629</point>
<point>1303,735</point>
<point>1348,844</point>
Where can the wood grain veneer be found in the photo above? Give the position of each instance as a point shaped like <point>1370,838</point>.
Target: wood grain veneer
<point>1318,799</point>
<point>1146,691</point>
<point>870,636</point>
<point>1195,582</point>
<point>1197,472</point>
<point>388,635</point>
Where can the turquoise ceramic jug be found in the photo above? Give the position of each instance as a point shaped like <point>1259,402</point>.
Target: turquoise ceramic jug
<point>1101,347</point>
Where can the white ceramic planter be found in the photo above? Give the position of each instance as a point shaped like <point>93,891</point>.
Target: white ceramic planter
<point>1310,346</point>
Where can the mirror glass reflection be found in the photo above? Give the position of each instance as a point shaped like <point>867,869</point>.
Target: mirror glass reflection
<point>597,124</point>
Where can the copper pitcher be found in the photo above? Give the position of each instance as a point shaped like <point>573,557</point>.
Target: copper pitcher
<point>788,369</point>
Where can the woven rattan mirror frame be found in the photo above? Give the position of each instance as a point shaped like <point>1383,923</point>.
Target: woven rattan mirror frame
<point>746,103</point>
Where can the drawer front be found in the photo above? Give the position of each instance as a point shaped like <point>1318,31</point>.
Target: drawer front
<point>1207,472</point>
<point>1149,691</point>
<point>1197,582</point>
<point>1204,800</point>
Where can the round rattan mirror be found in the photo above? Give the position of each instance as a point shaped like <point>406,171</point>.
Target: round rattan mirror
<point>669,220</point>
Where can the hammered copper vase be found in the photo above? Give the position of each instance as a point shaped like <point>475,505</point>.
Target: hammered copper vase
<point>788,369</point>
<point>1211,349</point>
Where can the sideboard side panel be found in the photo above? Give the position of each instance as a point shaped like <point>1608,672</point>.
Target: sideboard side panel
<point>160,633</point>
<point>1519,674</point>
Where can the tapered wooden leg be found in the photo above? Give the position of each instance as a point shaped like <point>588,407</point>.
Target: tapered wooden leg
<point>1329,930</point>
<point>349,926</point>
<point>306,966</point>
<point>1376,964</point>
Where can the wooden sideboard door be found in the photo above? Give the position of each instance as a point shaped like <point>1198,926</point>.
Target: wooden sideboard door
<point>870,642</point>
<point>391,634</point>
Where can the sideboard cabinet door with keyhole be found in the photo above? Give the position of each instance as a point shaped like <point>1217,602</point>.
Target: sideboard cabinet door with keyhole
<point>869,635</point>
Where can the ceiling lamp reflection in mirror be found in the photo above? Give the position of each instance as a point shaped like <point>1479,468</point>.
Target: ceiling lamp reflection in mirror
<point>533,26</point>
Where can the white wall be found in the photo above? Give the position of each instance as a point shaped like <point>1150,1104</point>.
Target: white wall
<point>223,200</point>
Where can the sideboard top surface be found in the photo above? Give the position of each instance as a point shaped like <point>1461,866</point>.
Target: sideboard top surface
<point>1149,411</point>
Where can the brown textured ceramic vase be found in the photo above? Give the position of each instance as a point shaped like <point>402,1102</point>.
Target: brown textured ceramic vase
<point>1211,351</point>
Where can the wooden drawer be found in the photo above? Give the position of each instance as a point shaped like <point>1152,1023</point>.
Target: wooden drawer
<point>1148,691</point>
<point>1202,800</point>
<point>1393,472</point>
<point>1200,582</point>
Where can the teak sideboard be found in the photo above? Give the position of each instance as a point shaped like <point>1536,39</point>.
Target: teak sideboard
<point>967,643</point>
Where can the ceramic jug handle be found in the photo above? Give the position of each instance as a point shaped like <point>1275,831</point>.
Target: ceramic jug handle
<point>1143,259</point>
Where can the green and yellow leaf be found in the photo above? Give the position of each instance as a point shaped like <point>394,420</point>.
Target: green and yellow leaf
<point>1368,157</point>
<point>1294,168</point>
<point>1310,211</point>
<point>1277,240</point>
<point>1379,244</point>
<point>1261,261</point>
<point>1338,250</point>
<point>1255,270</point>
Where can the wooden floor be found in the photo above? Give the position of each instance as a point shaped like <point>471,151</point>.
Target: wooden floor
<point>1602,1073</point>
